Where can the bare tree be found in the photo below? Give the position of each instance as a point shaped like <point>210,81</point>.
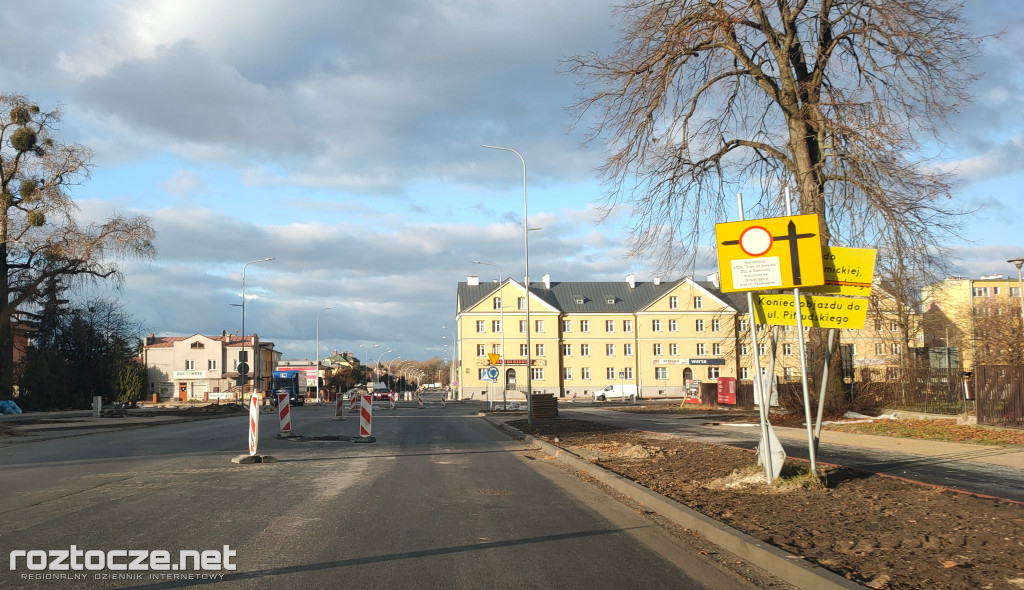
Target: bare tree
<point>42,237</point>
<point>703,98</point>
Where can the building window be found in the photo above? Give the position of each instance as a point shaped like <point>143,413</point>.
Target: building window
<point>197,345</point>
<point>673,303</point>
<point>895,348</point>
<point>610,373</point>
<point>481,350</point>
<point>661,373</point>
<point>627,349</point>
<point>673,349</point>
<point>584,350</point>
<point>609,325</point>
<point>698,302</point>
<point>539,348</point>
<point>787,373</point>
<point>981,291</point>
<point>479,326</point>
<point>673,326</point>
<point>995,290</point>
<point>495,349</point>
<point>523,350</point>
<point>211,365</point>
<point>760,348</point>
<point>787,349</point>
<point>190,365</point>
<point>496,302</point>
<point>878,325</point>
<point>656,325</point>
<point>538,374</point>
<point>496,326</point>
<point>538,326</point>
<point>1014,291</point>
<point>567,373</point>
<point>627,325</point>
<point>609,350</point>
<point>585,373</point>
<point>699,326</point>
<point>879,350</point>
<point>521,303</point>
<point>567,325</point>
<point>584,325</point>
<point>629,372</point>
<point>744,373</point>
<point>714,372</point>
<point>744,325</point>
<point>716,349</point>
<point>744,349</point>
<point>716,325</point>
<point>567,350</point>
<point>700,349</point>
<point>894,326</point>
<point>657,349</point>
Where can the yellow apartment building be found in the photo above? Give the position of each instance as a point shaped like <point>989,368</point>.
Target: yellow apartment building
<point>972,314</point>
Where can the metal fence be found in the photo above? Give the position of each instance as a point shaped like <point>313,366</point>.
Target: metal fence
<point>1000,390</point>
<point>915,389</point>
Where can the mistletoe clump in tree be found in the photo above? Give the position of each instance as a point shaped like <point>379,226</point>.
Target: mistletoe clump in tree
<point>42,236</point>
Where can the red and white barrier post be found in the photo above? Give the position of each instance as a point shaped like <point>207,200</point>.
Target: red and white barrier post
<point>443,396</point>
<point>366,419</point>
<point>392,399</point>
<point>254,423</point>
<point>419,399</point>
<point>284,413</point>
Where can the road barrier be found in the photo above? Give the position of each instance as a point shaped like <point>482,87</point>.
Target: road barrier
<point>443,396</point>
<point>366,418</point>
<point>339,408</point>
<point>284,412</point>
<point>419,400</point>
<point>392,400</point>
<point>254,423</point>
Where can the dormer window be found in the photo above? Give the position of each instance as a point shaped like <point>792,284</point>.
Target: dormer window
<point>579,301</point>
<point>196,345</point>
<point>610,301</point>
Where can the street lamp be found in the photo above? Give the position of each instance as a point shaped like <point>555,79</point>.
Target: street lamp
<point>526,257</point>
<point>501,322</point>
<point>1018,262</point>
<point>378,362</point>
<point>451,370</point>
<point>317,356</point>
<point>391,362</point>
<point>245,358</point>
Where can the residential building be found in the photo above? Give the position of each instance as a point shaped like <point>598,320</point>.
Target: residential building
<point>657,335</point>
<point>205,367</point>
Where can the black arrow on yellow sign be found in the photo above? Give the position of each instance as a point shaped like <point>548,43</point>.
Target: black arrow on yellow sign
<point>794,253</point>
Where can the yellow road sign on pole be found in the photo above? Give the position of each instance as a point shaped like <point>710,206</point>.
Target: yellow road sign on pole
<point>774,253</point>
<point>819,311</point>
<point>493,357</point>
<point>848,271</point>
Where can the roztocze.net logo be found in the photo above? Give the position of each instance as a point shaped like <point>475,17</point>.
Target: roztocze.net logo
<point>120,564</point>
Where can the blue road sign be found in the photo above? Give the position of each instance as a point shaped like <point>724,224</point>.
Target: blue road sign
<point>492,372</point>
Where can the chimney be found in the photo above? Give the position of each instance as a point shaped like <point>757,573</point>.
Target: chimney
<point>472,281</point>
<point>657,281</point>
<point>547,280</point>
<point>713,279</point>
<point>631,280</point>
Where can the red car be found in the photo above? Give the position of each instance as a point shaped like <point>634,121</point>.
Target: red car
<point>383,394</point>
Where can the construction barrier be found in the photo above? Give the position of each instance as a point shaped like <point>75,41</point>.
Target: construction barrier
<point>419,400</point>
<point>339,407</point>
<point>355,401</point>
<point>254,423</point>
<point>392,400</point>
<point>366,416</point>
<point>443,396</point>
<point>284,413</point>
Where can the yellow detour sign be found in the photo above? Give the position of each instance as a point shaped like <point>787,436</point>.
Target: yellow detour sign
<point>819,311</point>
<point>494,358</point>
<point>775,253</point>
<point>848,271</point>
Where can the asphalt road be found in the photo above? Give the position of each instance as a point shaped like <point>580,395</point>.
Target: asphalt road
<point>951,471</point>
<point>441,500</point>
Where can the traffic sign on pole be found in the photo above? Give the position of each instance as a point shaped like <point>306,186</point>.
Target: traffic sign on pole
<point>775,253</point>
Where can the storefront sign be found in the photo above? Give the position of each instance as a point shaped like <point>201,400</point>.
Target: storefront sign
<point>190,374</point>
<point>707,361</point>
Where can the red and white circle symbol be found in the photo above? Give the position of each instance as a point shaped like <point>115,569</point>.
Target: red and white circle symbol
<point>756,240</point>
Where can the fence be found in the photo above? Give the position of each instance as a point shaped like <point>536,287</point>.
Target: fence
<point>914,389</point>
<point>1000,390</point>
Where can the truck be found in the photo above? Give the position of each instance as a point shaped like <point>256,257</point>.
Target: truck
<point>291,382</point>
<point>619,391</point>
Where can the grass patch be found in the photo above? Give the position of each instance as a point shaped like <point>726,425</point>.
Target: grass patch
<point>799,475</point>
<point>943,430</point>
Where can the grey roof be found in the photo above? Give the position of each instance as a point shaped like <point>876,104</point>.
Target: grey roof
<point>563,296</point>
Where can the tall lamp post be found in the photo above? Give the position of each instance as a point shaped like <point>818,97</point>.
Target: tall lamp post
<point>452,376</point>
<point>317,355</point>
<point>378,362</point>
<point>501,322</point>
<point>241,395</point>
<point>390,374</point>
<point>1018,262</point>
<point>526,257</point>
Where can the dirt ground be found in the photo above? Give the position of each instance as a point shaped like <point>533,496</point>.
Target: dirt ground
<point>878,531</point>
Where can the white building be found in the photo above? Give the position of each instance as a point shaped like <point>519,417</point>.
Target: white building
<point>205,367</point>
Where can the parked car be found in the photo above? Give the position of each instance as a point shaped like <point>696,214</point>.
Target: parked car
<point>619,392</point>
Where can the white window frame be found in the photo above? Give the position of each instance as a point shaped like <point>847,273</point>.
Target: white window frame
<point>673,302</point>
<point>585,373</point>
<point>661,373</point>
<point>609,326</point>
<point>480,326</point>
<point>584,350</point>
<point>673,326</point>
<point>656,325</point>
<point>609,350</point>
<point>656,348</point>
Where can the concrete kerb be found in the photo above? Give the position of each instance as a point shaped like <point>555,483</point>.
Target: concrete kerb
<point>791,568</point>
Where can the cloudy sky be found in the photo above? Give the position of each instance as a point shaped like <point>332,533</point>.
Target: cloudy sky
<point>343,139</point>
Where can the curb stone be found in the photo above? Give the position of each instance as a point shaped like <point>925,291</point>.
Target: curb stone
<point>792,568</point>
